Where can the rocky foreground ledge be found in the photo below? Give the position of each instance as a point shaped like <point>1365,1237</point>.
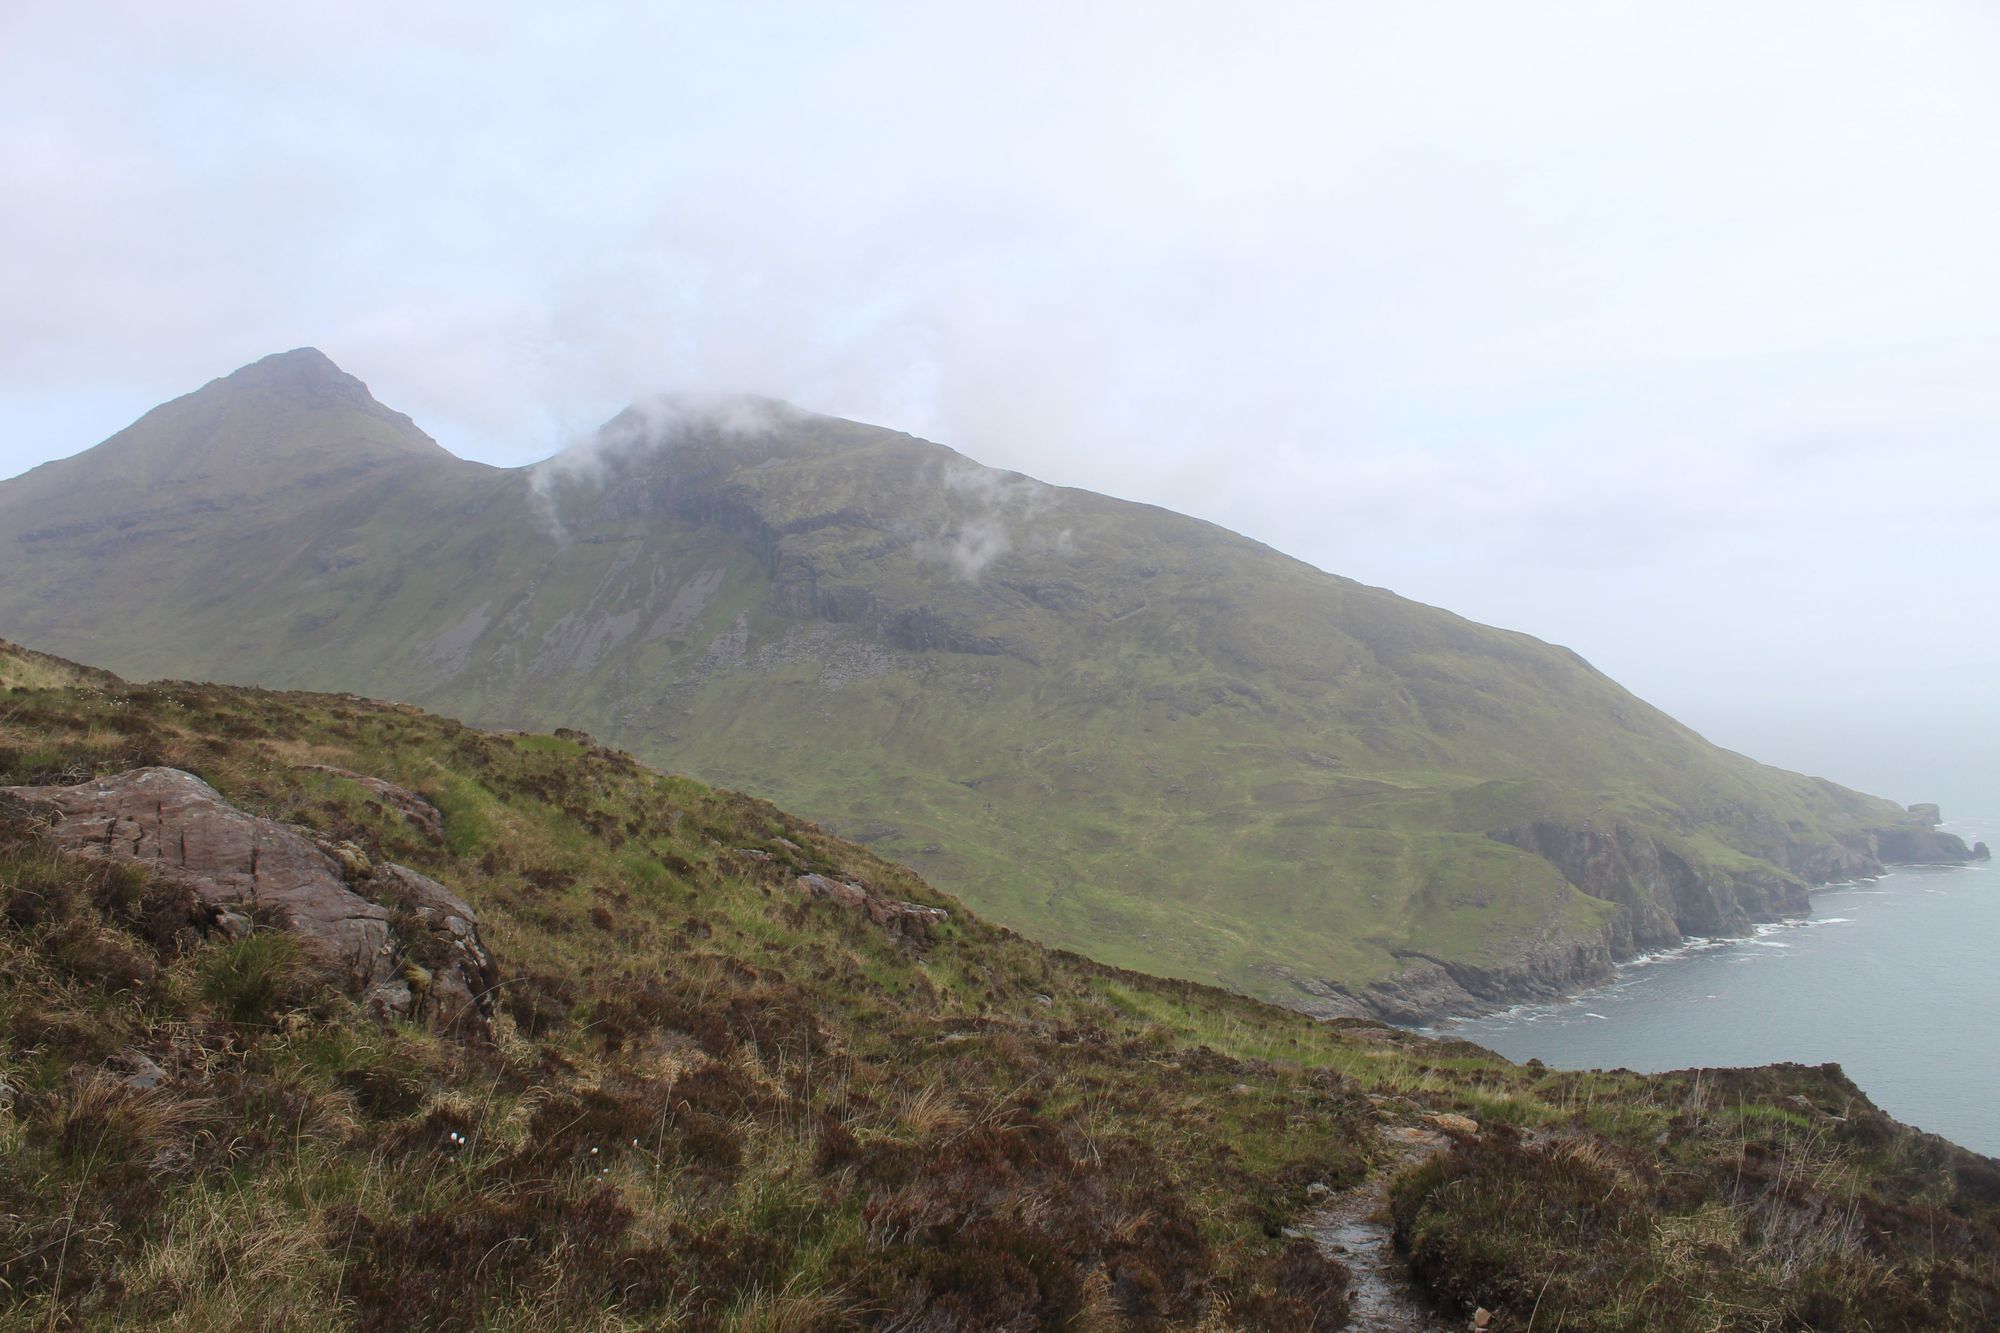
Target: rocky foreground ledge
<point>402,942</point>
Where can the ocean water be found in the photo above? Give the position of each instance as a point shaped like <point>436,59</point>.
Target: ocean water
<point>1897,979</point>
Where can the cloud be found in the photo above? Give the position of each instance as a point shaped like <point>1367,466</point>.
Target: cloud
<point>1643,330</point>
<point>968,546</point>
<point>989,513</point>
<point>649,426</point>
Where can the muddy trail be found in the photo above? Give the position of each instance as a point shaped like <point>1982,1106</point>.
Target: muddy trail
<point>1353,1228</point>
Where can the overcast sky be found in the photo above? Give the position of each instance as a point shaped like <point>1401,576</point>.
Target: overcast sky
<point>1668,332</point>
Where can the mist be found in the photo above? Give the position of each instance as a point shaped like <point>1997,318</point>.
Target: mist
<point>1663,334</point>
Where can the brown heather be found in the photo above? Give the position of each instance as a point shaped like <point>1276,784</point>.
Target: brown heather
<point>712,1101</point>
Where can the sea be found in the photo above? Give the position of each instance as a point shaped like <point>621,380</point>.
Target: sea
<point>1896,979</point>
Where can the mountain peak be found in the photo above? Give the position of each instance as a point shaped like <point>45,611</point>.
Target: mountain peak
<point>666,417</point>
<point>736,427</point>
<point>289,417</point>
<point>303,377</point>
<point>299,363</point>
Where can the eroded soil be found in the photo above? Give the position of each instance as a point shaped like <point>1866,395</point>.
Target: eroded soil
<point>1354,1228</point>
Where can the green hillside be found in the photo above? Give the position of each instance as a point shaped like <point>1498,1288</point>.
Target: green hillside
<point>699,1096</point>
<point>1116,728</point>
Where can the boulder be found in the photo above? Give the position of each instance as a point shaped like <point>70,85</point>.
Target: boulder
<point>244,869</point>
<point>139,1071</point>
<point>913,919</point>
<point>440,931</point>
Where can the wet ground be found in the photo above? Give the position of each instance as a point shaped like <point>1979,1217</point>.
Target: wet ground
<point>1353,1228</point>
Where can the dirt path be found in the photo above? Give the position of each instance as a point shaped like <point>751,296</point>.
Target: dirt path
<point>1354,1228</point>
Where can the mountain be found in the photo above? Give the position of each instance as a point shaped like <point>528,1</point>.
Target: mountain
<point>1116,728</point>
<point>722,1070</point>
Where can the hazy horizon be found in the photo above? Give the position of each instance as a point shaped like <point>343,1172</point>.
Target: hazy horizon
<point>1667,338</point>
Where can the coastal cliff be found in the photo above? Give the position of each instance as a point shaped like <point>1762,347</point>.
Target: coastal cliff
<point>1664,897</point>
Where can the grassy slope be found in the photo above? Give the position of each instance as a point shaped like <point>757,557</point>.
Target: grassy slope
<point>710,1102</point>
<point>1132,733</point>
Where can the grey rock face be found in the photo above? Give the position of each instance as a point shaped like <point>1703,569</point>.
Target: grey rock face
<point>1921,846</point>
<point>1664,898</point>
<point>1428,988</point>
<point>244,869</point>
<point>441,932</point>
<point>1830,862</point>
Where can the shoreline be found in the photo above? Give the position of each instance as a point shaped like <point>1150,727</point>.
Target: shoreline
<point>1663,899</point>
<point>1448,1025</point>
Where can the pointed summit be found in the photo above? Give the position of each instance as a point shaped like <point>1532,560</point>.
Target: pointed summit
<point>303,372</point>
<point>276,475</point>
<point>306,380</point>
<point>290,417</point>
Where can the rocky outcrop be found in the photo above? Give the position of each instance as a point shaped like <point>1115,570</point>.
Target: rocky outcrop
<point>1424,988</point>
<point>450,975</point>
<point>420,813</point>
<point>1427,988</point>
<point>1912,845</point>
<point>904,918</point>
<point>1830,862</point>
<point>242,868</point>
<point>1320,999</point>
<point>420,956</point>
<point>1666,899</point>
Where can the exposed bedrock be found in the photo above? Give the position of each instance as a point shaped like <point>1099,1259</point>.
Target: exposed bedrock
<point>1426,988</point>
<point>1666,899</point>
<point>1429,988</point>
<point>411,947</point>
<point>1830,862</point>
<point>1923,846</point>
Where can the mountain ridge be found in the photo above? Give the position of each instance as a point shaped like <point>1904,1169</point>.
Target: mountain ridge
<point>1121,729</point>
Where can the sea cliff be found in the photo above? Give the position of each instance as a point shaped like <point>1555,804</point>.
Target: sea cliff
<point>1663,898</point>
